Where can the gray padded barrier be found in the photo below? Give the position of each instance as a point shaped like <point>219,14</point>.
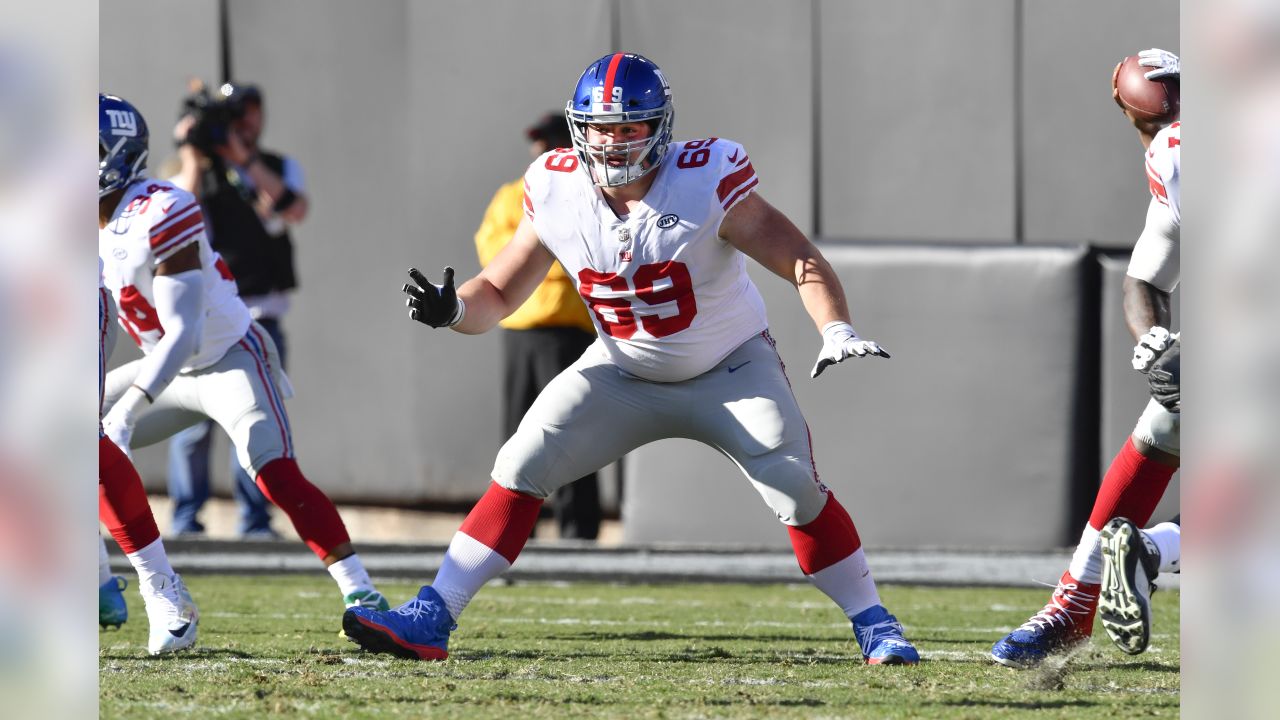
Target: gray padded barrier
<point>1124,392</point>
<point>739,69</point>
<point>1084,178</point>
<point>977,432</point>
<point>915,148</point>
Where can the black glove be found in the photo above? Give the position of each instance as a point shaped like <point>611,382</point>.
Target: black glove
<point>1165,376</point>
<point>431,304</point>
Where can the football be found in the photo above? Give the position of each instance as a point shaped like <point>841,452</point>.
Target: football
<point>1152,100</point>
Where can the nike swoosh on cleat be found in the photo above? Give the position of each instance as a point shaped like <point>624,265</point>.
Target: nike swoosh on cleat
<point>179,632</point>
<point>735,368</point>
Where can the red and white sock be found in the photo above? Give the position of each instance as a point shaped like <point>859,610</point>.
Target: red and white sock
<point>1132,488</point>
<point>104,564</point>
<point>1167,537</point>
<point>488,542</point>
<point>830,555</point>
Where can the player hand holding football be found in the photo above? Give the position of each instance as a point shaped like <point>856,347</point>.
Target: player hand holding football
<point>840,342</point>
<point>431,304</point>
<point>1146,87</point>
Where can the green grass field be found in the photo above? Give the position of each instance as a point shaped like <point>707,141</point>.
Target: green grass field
<point>269,648</point>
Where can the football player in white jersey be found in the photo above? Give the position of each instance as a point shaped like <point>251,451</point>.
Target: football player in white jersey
<point>1115,563</point>
<point>123,508</point>
<point>203,355</point>
<point>655,234</point>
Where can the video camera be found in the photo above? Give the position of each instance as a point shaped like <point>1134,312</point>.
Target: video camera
<point>214,112</point>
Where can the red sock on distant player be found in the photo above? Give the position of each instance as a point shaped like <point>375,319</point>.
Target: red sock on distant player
<point>502,520</point>
<point>828,539</point>
<point>311,511</point>
<point>122,501</point>
<point>1131,488</point>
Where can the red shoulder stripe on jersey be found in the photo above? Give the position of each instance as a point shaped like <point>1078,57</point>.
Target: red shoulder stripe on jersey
<point>733,180</point>
<point>172,219</point>
<point>162,251</point>
<point>528,203</point>
<point>741,191</point>
<point>609,76</point>
<point>175,229</point>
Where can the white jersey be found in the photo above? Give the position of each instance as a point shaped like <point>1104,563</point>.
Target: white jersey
<point>153,221</point>
<point>1164,168</point>
<point>669,298</point>
<point>1155,258</point>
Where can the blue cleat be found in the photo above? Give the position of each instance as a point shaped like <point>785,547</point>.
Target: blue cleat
<point>881,638</point>
<point>112,609</point>
<point>1063,624</point>
<point>417,630</point>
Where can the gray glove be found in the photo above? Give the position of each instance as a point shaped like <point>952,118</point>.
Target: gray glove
<point>1165,376</point>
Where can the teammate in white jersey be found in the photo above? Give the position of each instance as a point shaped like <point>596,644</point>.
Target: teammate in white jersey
<point>204,356</point>
<point>122,507</point>
<point>1115,563</point>
<point>655,234</point>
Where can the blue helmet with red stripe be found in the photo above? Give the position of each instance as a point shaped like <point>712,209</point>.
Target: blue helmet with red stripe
<point>621,88</point>
<point>122,143</point>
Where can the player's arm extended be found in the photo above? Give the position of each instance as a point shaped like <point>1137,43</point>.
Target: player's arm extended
<point>767,236</point>
<point>506,282</point>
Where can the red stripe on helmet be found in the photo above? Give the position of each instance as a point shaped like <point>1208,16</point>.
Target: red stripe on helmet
<point>609,75</point>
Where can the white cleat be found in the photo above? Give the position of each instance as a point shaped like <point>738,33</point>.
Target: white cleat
<point>171,613</point>
<point>1130,564</point>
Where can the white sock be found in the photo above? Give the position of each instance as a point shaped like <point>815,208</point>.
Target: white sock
<point>468,564</point>
<point>150,561</point>
<point>104,565</point>
<point>1086,563</point>
<point>350,575</point>
<point>1167,537</point>
<point>848,583</point>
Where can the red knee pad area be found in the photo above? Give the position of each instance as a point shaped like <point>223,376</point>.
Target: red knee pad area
<point>122,501</point>
<point>502,520</point>
<point>1131,488</point>
<point>830,538</point>
<point>312,513</point>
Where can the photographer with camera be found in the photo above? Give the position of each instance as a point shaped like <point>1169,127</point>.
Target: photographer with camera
<point>250,197</point>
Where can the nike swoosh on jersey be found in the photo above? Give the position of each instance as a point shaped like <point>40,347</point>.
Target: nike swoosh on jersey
<point>735,368</point>
<point>168,207</point>
<point>734,157</point>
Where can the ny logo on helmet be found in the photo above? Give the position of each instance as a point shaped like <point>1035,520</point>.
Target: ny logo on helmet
<point>123,123</point>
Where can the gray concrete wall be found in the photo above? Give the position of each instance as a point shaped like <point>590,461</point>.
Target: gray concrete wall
<point>407,115</point>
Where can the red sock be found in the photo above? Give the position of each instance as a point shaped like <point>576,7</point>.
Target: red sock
<point>122,502</point>
<point>1131,488</point>
<point>502,520</point>
<point>828,539</point>
<point>310,510</point>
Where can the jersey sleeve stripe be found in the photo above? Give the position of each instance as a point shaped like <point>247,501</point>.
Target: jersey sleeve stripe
<point>734,180</point>
<point>163,252</point>
<point>170,230</point>
<point>1156,184</point>
<point>742,192</point>
<point>528,203</point>
<point>172,217</point>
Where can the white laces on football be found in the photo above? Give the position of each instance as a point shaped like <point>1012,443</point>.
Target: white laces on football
<point>1066,603</point>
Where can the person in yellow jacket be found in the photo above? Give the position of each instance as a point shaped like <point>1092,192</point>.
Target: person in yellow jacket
<point>545,335</point>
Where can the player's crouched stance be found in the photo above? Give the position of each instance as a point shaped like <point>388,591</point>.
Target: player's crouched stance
<point>657,251</point>
<point>204,356</point>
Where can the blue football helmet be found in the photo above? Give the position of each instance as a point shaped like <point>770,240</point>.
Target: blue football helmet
<point>621,88</point>
<point>122,143</point>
